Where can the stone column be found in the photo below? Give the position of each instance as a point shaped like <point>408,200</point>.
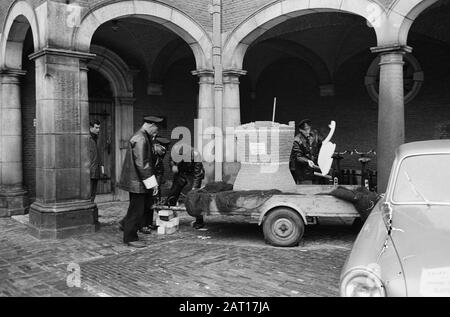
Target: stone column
<point>13,199</point>
<point>63,205</point>
<point>391,112</point>
<point>231,119</point>
<point>124,126</point>
<point>205,118</point>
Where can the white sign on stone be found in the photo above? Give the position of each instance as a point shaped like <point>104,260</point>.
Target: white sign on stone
<point>435,282</point>
<point>257,148</point>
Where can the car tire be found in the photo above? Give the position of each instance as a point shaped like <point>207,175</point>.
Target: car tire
<point>283,227</point>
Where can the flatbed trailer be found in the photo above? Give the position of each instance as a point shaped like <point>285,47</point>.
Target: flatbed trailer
<point>284,216</point>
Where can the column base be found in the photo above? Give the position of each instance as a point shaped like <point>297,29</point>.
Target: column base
<point>13,202</point>
<point>63,220</point>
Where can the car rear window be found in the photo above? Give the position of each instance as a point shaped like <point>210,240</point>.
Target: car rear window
<point>423,179</point>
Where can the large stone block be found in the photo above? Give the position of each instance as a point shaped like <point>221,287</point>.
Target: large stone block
<point>259,147</point>
<point>46,184</point>
<point>45,151</point>
<point>68,184</point>
<point>62,220</point>
<point>12,203</point>
<point>68,148</point>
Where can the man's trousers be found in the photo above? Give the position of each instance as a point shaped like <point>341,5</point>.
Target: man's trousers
<point>139,205</point>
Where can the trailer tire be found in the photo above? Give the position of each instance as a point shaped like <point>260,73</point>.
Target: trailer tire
<point>283,227</point>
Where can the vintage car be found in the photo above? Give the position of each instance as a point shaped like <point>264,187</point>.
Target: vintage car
<point>403,248</point>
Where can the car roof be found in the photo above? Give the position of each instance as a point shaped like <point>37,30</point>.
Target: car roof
<point>423,147</point>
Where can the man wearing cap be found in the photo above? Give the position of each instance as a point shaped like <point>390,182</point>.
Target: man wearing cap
<point>139,179</point>
<point>187,165</point>
<point>305,152</point>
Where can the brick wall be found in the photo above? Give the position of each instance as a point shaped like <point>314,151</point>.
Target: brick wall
<point>198,10</point>
<point>236,11</point>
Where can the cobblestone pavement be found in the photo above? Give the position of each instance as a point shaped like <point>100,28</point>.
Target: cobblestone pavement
<point>229,259</point>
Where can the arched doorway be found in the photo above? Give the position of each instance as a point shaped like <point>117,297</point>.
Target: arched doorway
<point>101,109</point>
<point>17,109</point>
<point>160,62</point>
<point>315,65</point>
<point>427,115</point>
<point>111,98</point>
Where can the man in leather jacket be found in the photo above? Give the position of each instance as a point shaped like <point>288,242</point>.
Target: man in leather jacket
<point>139,179</point>
<point>305,152</point>
<point>186,169</point>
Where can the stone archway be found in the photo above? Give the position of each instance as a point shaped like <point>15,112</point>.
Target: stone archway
<point>171,18</point>
<point>20,18</point>
<point>405,12</point>
<point>293,49</point>
<point>244,34</point>
<point>269,16</point>
<point>120,77</point>
<point>198,40</point>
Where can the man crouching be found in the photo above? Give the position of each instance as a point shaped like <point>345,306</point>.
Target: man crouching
<point>138,178</point>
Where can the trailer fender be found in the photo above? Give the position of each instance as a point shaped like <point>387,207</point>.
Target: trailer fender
<point>270,207</point>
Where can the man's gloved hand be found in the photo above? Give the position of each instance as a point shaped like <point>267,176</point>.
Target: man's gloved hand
<point>174,169</point>
<point>311,164</point>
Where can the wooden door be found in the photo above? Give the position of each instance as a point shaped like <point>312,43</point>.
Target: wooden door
<point>102,110</point>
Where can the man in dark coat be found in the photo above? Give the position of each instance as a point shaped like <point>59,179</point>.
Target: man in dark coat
<point>185,168</point>
<point>139,179</point>
<point>305,152</point>
<point>96,165</point>
<point>161,149</point>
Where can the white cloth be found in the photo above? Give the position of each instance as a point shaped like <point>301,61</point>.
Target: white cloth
<point>150,182</point>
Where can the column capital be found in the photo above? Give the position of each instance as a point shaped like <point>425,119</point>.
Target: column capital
<point>231,76</point>
<point>62,52</point>
<point>234,72</point>
<point>12,72</point>
<point>396,48</point>
<point>11,76</point>
<point>206,76</point>
<point>126,100</point>
<point>203,73</point>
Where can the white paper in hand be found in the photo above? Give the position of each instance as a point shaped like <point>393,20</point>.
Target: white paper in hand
<point>325,159</point>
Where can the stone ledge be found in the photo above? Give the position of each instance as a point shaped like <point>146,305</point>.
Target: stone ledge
<point>13,203</point>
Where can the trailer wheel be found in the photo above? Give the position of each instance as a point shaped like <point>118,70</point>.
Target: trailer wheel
<point>283,227</point>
